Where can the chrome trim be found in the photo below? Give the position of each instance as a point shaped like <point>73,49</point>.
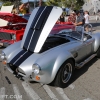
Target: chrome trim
<point>78,66</point>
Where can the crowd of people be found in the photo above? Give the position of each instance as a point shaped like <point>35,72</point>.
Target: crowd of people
<point>76,18</point>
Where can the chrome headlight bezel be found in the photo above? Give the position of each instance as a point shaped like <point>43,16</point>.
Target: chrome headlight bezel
<point>13,36</point>
<point>36,69</point>
<point>3,56</point>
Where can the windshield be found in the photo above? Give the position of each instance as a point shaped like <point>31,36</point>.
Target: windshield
<point>58,27</point>
<point>77,34</point>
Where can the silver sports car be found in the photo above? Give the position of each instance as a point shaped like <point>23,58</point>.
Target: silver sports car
<point>46,58</point>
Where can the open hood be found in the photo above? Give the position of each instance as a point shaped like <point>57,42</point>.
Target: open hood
<point>39,26</point>
<point>12,18</point>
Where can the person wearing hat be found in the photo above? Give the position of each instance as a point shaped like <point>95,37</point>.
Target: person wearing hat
<point>79,19</point>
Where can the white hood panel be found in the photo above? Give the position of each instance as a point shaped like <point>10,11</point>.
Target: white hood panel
<point>39,26</point>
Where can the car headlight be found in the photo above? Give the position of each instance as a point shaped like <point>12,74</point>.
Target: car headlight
<point>14,37</point>
<point>3,56</point>
<point>36,68</point>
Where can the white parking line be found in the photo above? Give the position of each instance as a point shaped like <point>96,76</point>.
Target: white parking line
<point>62,94</point>
<point>49,92</point>
<point>71,86</point>
<point>87,99</point>
<point>17,92</point>
<point>30,92</point>
<point>2,93</point>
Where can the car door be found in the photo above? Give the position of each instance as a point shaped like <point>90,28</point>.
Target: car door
<point>81,52</point>
<point>85,49</point>
<point>89,45</point>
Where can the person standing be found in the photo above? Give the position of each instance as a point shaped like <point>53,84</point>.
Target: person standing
<point>67,11</point>
<point>62,18</point>
<point>79,19</point>
<point>86,16</point>
<point>23,8</point>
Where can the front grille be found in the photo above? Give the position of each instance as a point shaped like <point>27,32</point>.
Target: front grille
<point>5,36</point>
<point>13,68</point>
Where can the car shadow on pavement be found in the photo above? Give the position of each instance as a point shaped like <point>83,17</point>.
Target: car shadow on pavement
<point>81,71</point>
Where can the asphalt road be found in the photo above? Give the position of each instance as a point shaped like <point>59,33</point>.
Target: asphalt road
<point>85,84</point>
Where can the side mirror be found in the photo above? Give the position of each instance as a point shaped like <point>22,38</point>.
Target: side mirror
<point>85,38</point>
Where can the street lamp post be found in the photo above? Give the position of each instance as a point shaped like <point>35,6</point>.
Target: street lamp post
<point>40,2</point>
<point>35,3</point>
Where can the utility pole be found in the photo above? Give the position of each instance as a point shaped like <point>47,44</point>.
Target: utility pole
<point>40,2</point>
<point>35,3</point>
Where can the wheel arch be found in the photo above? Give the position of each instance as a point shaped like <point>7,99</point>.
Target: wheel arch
<point>56,72</point>
<point>97,41</point>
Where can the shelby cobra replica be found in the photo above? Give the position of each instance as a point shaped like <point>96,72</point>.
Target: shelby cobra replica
<point>50,58</point>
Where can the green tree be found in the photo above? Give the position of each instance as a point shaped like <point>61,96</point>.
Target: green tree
<point>16,3</point>
<point>7,1</point>
<point>73,4</point>
<point>10,2</point>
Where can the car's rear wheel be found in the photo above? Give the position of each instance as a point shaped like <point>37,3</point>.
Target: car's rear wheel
<point>64,75</point>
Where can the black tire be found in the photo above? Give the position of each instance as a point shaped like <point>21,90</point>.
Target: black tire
<point>64,74</point>
<point>98,52</point>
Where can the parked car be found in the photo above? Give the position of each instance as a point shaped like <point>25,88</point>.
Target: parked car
<point>14,31</point>
<point>50,58</point>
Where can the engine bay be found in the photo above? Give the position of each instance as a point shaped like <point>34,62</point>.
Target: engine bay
<point>13,27</point>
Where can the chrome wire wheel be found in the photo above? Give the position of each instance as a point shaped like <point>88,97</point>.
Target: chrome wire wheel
<point>66,73</point>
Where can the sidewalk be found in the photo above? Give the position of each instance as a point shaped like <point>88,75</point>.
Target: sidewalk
<point>95,31</point>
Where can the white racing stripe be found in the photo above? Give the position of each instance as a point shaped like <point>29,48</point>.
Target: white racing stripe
<point>49,92</point>
<point>34,28</point>
<point>2,93</point>
<point>30,92</point>
<point>17,92</point>
<point>20,57</point>
<point>62,94</point>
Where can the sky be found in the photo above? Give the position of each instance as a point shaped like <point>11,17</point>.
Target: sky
<point>30,0</point>
<point>26,1</point>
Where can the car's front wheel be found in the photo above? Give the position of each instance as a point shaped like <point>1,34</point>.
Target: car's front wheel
<point>65,73</point>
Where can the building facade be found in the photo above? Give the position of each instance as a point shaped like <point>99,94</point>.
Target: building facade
<point>92,5</point>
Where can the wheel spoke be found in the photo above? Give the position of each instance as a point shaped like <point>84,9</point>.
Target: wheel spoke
<point>67,72</point>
